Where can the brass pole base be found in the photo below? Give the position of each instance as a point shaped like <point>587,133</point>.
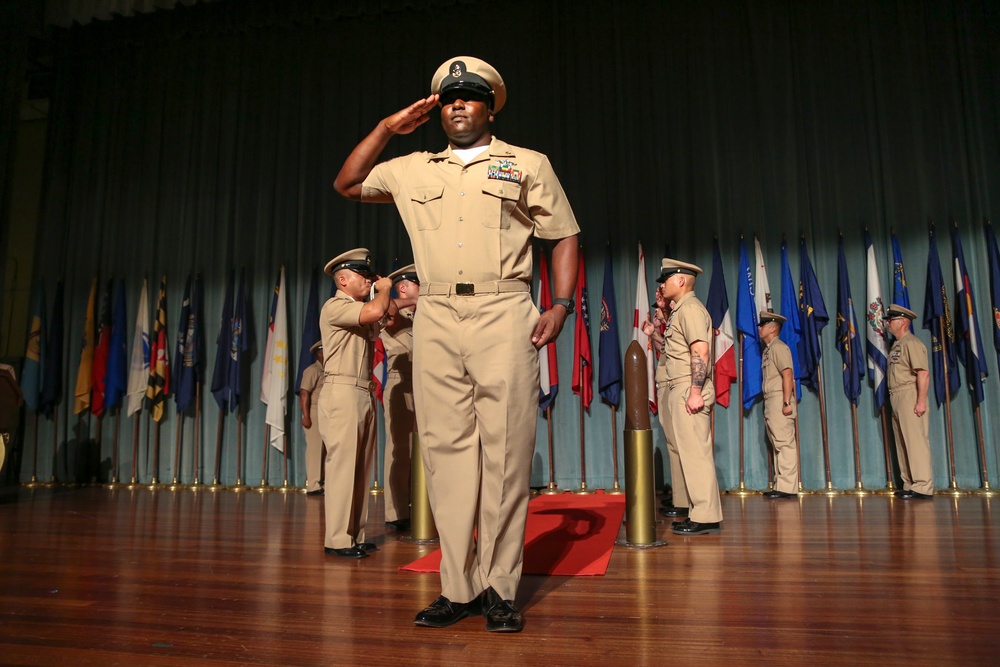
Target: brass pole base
<point>154,485</point>
<point>409,539</point>
<point>34,483</point>
<point>829,491</point>
<point>376,490</point>
<point>803,491</point>
<point>551,490</point>
<point>622,542</point>
<point>985,491</point>
<point>215,486</point>
<point>134,484</point>
<point>286,488</point>
<point>615,490</point>
<point>196,485</point>
<point>742,491</point>
<point>952,491</point>
<point>176,485</point>
<point>263,488</point>
<point>113,485</point>
<point>858,490</point>
<point>889,490</point>
<point>239,486</point>
<point>583,489</point>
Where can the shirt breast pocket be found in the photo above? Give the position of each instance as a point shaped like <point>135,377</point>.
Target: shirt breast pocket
<point>427,202</point>
<point>499,201</point>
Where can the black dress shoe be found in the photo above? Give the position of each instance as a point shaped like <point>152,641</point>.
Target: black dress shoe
<point>317,492</point>
<point>915,495</point>
<point>402,525</point>
<point>501,615</point>
<point>349,552</point>
<point>443,612</point>
<point>900,494</point>
<point>367,547</point>
<point>689,527</point>
<point>674,511</point>
<point>778,494</point>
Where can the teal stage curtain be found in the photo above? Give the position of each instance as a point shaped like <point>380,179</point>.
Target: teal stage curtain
<point>206,139</point>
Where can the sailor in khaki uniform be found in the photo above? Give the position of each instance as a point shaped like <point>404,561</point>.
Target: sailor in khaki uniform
<point>348,327</point>
<point>909,380</point>
<point>397,399</point>
<point>471,211</point>
<point>779,404</point>
<point>310,390</point>
<point>691,395</point>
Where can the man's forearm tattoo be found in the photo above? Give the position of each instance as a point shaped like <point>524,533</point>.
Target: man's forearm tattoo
<point>699,371</point>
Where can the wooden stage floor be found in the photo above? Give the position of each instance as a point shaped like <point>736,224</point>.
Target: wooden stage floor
<point>90,576</point>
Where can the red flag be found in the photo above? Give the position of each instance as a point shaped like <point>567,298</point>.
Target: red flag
<point>548,366</point>
<point>639,316</point>
<point>380,371</point>
<point>583,366</point>
<point>98,371</point>
<point>159,358</point>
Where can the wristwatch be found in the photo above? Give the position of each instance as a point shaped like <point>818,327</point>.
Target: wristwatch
<point>568,304</point>
<point>786,404</point>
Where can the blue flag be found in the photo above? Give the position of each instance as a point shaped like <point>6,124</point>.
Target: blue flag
<point>876,349</point>
<point>609,379</point>
<point>812,311</point>
<point>52,378</point>
<point>31,374</point>
<point>186,368</point>
<point>847,331</point>
<point>310,331</point>
<point>993,253</point>
<point>746,324</point>
<point>936,310</point>
<point>900,294</point>
<point>220,374</point>
<point>968,344</point>
<point>791,332</point>
<point>240,343</point>
<point>116,380</point>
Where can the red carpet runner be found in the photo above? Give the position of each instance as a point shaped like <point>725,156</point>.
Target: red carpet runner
<point>566,534</point>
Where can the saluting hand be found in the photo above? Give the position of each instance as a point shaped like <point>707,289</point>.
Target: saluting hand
<point>408,119</point>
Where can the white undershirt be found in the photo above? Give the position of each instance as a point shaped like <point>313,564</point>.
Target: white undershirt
<point>468,153</point>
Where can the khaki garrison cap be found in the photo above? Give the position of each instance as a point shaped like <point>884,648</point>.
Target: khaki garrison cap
<point>767,316</point>
<point>405,273</point>
<point>318,345</point>
<point>473,74</point>
<point>358,260</point>
<point>896,310</point>
<point>669,267</point>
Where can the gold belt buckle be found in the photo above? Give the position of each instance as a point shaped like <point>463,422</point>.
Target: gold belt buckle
<point>465,289</point>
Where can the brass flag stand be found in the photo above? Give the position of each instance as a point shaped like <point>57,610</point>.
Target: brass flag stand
<point>552,488</point>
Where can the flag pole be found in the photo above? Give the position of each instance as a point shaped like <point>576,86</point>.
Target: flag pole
<point>284,484</point>
<point>239,485</point>
<point>985,490</point>
<point>215,485</point>
<point>134,482</point>
<point>95,478</point>
<point>770,464</point>
<point>859,488</point>
<point>55,445</point>
<point>953,489</point>
<point>376,489</point>
<point>615,489</point>
<point>798,455</point>
<point>742,489</point>
<point>154,483</point>
<point>263,466</point>
<point>34,460</point>
<point>113,484</point>
<point>890,487</point>
<point>196,484</point>
<point>176,484</point>
<point>829,490</point>
<point>583,452</point>
<point>552,488</point>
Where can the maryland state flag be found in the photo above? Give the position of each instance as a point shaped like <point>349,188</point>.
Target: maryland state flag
<point>583,360</point>
<point>159,358</point>
<point>83,370</point>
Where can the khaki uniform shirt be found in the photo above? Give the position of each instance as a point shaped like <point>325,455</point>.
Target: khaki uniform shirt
<point>776,358</point>
<point>312,381</point>
<point>907,356</point>
<point>474,222</point>
<point>399,346</point>
<point>688,323</point>
<point>348,345</point>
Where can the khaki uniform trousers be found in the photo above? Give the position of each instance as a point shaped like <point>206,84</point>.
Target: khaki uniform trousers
<point>693,438</point>
<point>347,423</point>
<point>475,377</point>
<point>314,449</point>
<point>781,432</point>
<point>400,422</point>
<point>913,446</point>
<point>677,486</point>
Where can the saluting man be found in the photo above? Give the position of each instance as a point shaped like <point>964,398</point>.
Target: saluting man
<point>690,396</point>
<point>397,397</point>
<point>348,327</point>
<point>310,390</point>
<point>471,211</point>
<point>779,404</point>
<point>909,380</point>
